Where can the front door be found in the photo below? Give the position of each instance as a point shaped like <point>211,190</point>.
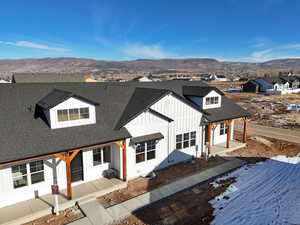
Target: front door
<point>77,168</point>
<point>206,133</point>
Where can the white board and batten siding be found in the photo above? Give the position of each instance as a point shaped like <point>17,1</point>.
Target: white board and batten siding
<point>216,138</point>
<point>10,195</point>
<point>186,120</point>
<point>71,103</point>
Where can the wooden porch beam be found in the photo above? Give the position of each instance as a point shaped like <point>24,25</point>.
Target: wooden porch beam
<point>209,127</point>
<point>228,128</point>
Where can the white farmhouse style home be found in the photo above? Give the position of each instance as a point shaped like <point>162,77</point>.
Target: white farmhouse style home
<point>274,85</point>
<point>72,133</point>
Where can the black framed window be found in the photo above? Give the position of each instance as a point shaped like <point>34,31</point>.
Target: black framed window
<point>212,100</point>
<point>223,129</point>
<point>179,141</point>
<point>186,140</point>
<point>145,151</point>
<point>101,155</point>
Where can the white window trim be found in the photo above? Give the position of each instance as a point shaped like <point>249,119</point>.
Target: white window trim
<point>215,100</point>
<point>68,113</point>
<point>224,129</point>
<point>28,174</point>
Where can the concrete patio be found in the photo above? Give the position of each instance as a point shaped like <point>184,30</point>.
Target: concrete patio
<point>220,149</point>
<point>32,209</point>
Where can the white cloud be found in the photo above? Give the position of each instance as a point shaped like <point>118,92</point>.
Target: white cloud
<point>29,44</point>
<point>154,51</point>
<point>282,51</point>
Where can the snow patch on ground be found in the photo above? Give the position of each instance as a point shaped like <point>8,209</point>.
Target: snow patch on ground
<point>264,193</point>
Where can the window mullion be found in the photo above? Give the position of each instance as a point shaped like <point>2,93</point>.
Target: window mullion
<point>28,173</point>
<point>102,155</point>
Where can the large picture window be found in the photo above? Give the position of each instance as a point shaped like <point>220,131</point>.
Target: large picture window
<point>185,140</point>
<point>26,174</point>
<point>212,100</point>
<point>145,151</point>
<point>101,155</point>
<point>223,129</point>
<point>73,114</point>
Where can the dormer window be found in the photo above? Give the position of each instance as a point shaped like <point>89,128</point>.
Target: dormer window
<point>212,100</point>
<point>65,109</point>
<point>72,114</point>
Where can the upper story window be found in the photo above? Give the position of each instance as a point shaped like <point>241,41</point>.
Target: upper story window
<point>72,114</point>
<point>212,100</point>
<point>185,140</point>
<point>28,173</point>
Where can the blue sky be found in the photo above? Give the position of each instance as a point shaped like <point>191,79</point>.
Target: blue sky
<point>237,30</point>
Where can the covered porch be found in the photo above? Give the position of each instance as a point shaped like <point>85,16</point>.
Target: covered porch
<point>230,144</point>
<point>34,208</point>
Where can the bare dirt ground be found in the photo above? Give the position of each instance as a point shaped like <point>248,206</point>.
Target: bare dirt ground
<point>270,110</point>
<point>66,216</point>
<point>192,207</point>
<point>141,185</point>
<point>188,208</point>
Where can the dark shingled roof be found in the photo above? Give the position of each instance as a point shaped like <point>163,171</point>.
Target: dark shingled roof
<point>273,80</point>
<point>58,96</point>
<point>148,137</point>
<point>228,110</point>
<point>47,77</point>
<point>141,100</point>
<point>24,135</point>
<point>199,92</point>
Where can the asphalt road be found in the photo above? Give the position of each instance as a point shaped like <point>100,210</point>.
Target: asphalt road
<point>272,132</point>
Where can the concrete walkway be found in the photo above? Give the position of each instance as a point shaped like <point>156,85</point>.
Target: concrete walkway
<point>221,150</point>
<point>35,208</point>
<point>98,215</point>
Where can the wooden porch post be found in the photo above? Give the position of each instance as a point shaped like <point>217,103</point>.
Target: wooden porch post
<point>124,160</point>
<point>209,127</point>
<point>228,124</point>
<point>68,159</point>
<point>69,177</point>
<point>245,119</point>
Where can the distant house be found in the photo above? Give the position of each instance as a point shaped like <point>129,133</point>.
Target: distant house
<point>219,77</point>
<point>142,79</point>
<point>251,86</point>
<point>204,76</point>
<point>274,85</point>
<point>47,77</point>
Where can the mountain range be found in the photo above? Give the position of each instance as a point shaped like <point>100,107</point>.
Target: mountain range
<point>159,66</point>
